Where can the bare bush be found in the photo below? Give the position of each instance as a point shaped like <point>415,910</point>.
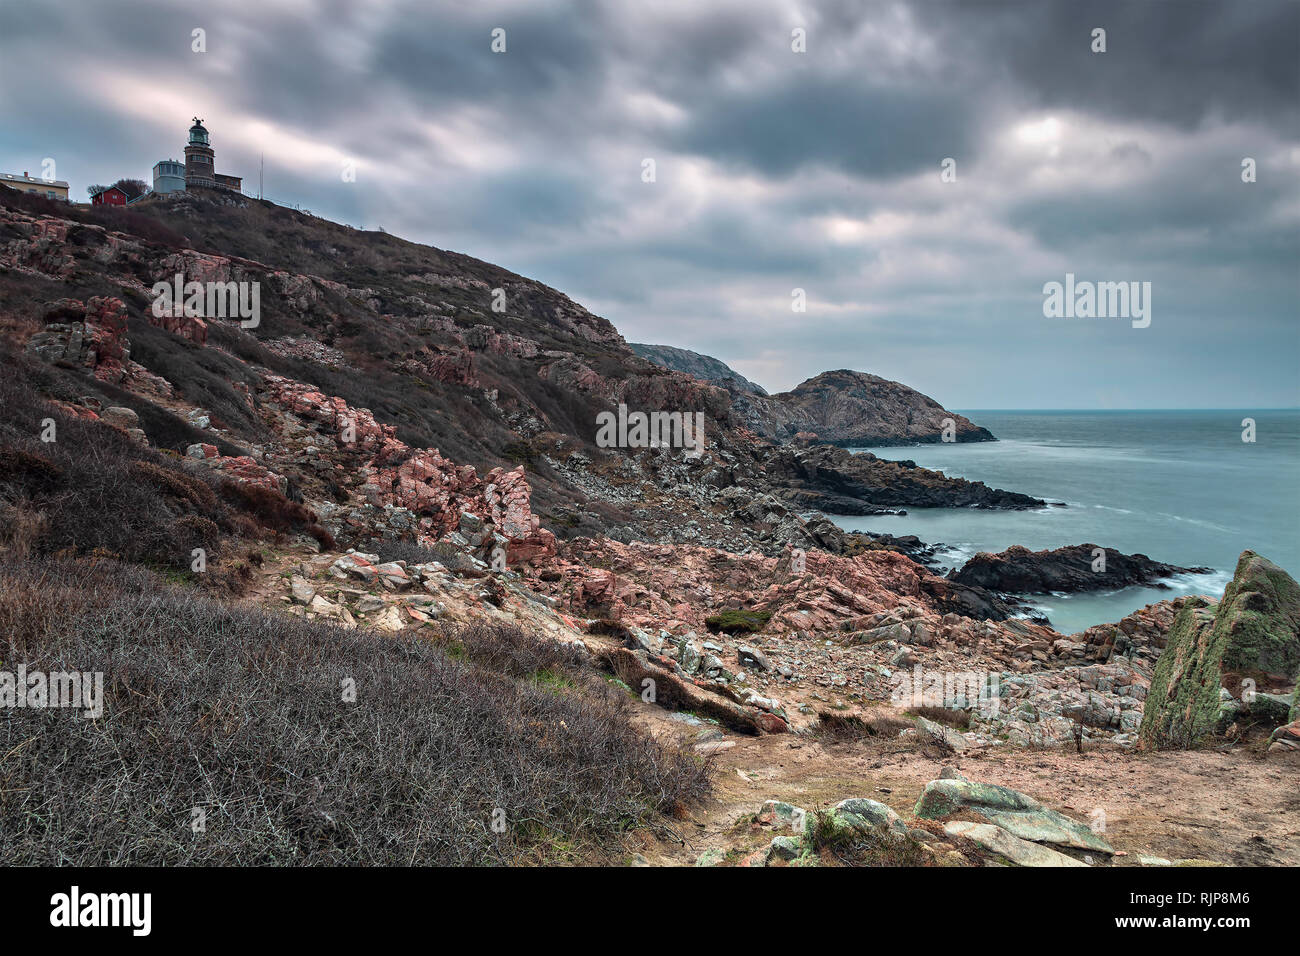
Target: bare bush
<point>242,714</point>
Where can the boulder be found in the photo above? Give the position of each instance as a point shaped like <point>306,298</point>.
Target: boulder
<point>783,848</point>
<point>713,856</point>
<point>1285,738</point>
<point>120,417</point>
<point>1004,844</point>
<point>778,813</point>
<point>1254,630</point>
<point>301,590</point>
<point>753,657</point>
<point>854,818</point>
<point>1273,708</point>
<point>1018,813</point>
<point>942,735</point>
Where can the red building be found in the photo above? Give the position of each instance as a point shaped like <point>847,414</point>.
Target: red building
<point>109,196</point>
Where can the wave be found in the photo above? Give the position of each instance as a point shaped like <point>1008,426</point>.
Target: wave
<point>1212,583</point>
<point>1199,522</point>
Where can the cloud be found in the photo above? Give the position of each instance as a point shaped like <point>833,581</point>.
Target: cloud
<point>775,169</point>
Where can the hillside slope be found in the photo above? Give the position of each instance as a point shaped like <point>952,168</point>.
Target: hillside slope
<point>704,367</point>
<point>489,368</point>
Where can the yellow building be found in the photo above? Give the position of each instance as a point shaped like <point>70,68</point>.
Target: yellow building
<point>51,189</point>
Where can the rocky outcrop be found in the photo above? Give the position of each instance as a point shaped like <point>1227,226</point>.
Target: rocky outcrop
<point>1254,633</point>
<point>1004,844</point>
<point>704,367</point>
<point>433,488</point>
<point>1045,708</point>
<point>241,468</point>
<point>1080,567</point>
<point>856,409</point>
<point>837,481</point>
<point>1139,637</point>
<point>657,680</point>
<point>89,335</point>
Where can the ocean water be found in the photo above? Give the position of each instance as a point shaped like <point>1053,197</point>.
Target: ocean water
<point>1179,486</point>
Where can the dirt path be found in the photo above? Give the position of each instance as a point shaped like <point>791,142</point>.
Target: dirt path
<point>1229,808</point>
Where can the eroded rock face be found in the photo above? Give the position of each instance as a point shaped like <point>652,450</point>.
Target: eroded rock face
<point>432,487</point>
<point>1075,568</point>
<point>89,335</point>
<point>1254,632</point>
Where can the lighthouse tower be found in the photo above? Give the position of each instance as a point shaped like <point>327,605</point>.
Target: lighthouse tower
<point>200,168</point>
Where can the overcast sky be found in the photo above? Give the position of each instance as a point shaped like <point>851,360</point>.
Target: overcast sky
<point>774,170</point>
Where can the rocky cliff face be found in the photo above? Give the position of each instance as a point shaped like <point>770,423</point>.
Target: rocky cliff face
<point>704,367</point>
<point>1252,634</point>
<point>856,409</point>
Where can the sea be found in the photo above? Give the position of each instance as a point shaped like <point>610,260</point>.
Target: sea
<point>1181,487</point>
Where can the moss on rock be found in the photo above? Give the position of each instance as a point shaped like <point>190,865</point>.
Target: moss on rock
<point>1255,628</point>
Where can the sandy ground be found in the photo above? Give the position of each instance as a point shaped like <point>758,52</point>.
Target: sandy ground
<point>1233,808</point>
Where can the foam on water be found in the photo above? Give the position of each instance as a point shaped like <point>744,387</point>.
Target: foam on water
<point>1180,487</point>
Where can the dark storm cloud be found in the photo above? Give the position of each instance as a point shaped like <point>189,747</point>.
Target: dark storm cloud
<point>1174,61</point>
<point>775,170</point>
<point>864,130</point>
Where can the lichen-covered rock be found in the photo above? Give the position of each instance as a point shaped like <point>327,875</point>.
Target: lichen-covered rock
<point>856,817</point>
<point>1255,629</point>
<point>1004,844</point>
<point>1016,812</point>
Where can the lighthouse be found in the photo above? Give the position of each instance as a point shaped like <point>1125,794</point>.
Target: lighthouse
<point>200,165</point>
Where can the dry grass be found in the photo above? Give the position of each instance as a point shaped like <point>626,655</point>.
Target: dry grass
<point>240,713</point>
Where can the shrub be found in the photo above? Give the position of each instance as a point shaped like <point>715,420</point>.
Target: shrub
<point>179,485</point>
<point>738,622</point>
<point>239,712</point>
<point>268,506</point>
<point>96,490</point>
<point>512,651</point>
<point>29,470</point>
<point>948,716</point>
